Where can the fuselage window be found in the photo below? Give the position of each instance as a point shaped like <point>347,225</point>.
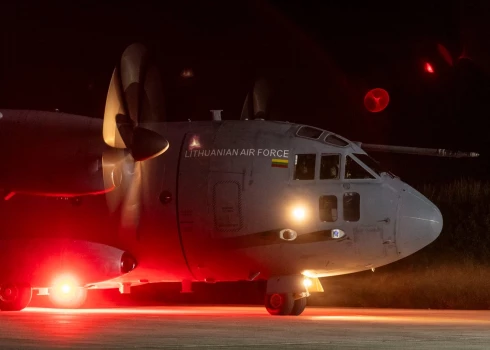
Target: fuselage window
<point>330,167</point>
<point>328,208</point>
<point>304,166</point>
<point>354,171</point>
<point>352,206</point>
<point>309,132</point>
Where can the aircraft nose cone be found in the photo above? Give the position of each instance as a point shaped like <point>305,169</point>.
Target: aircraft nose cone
<point>420,222</point>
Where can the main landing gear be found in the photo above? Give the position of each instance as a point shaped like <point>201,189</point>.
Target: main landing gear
<point>286,295</point>
<point>15,296</point>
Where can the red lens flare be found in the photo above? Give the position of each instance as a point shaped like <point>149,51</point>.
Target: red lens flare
<point>376,100</point>
<point>428,68</point>
<point>445,54</point>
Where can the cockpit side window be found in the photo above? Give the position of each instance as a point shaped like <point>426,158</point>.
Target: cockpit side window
<point>335,140</point>
<point>330,167</point>
<point>304,166</point>
<point>309,132</point>
<point>355,171</point>
<point>370,162</point>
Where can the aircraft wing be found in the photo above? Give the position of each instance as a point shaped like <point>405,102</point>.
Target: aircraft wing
<point>50,154</point>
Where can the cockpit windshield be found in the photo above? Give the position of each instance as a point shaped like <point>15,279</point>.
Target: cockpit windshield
<point>372,164</point>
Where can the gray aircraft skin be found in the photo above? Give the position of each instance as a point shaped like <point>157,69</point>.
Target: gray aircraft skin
<point>225,200</point>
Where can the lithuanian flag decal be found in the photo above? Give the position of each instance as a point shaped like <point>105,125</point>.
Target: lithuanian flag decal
<point>280,163</point>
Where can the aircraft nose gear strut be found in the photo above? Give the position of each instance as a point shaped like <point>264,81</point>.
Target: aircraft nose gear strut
<point>286,295</point>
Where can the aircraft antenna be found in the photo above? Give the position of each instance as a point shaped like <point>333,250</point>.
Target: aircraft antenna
<point>435,152</point>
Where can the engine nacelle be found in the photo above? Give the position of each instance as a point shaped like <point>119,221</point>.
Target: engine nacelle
<point>39,261</point>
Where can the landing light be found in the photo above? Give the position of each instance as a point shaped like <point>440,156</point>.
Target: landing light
<point>307,282</point>
<point>299,213</point>
<point>308,273</point>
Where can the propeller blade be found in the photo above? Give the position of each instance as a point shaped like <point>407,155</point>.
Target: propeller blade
<point>152,98</point>
<point>256,104</point>
<point>246,110</point>
<point>115,175</point>
<point>114,106</point>
<point>133,64</point>
<point>135,98</point>
<point>130,213</point>
<point>261,96</point>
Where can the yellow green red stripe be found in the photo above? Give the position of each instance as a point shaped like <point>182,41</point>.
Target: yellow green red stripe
<point>280,163</point>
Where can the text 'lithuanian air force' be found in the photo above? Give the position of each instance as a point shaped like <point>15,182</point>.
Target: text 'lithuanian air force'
<point>266,152</point>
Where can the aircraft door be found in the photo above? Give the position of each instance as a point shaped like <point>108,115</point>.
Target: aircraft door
<point>193,207</point>
<point>226,204</point>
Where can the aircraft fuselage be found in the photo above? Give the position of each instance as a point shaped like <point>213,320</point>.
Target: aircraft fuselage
<point>229,200</point>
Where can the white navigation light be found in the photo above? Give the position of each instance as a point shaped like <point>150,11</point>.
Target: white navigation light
<point>337,233</point>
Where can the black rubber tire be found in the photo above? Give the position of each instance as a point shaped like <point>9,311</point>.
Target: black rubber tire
<point>23,297</point>
<point>279,304</point>
<point>299,307</point>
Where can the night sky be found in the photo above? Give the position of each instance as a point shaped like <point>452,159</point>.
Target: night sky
<point>320,57</point>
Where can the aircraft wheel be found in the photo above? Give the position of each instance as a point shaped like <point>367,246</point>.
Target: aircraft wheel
<point>279,304</point>
<point>15,296</point>
<point>299,307</point>
<point>72,298</point>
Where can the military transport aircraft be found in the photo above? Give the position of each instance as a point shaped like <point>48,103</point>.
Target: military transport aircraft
<point>133,199</point>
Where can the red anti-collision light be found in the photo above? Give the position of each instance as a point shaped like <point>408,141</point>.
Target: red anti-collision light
<point>428,68</point>
<point>376,100</point>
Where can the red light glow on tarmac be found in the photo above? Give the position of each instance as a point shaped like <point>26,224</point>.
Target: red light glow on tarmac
<point>164,310</point>
<point>240,326</point>
<point>311,313</point>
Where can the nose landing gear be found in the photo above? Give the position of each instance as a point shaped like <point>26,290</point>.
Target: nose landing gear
<point>15,296</point>
<point>284,304</point>
<point>286,295</point>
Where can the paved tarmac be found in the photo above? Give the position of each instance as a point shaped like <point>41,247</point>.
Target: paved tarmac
<point>219,327</point>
